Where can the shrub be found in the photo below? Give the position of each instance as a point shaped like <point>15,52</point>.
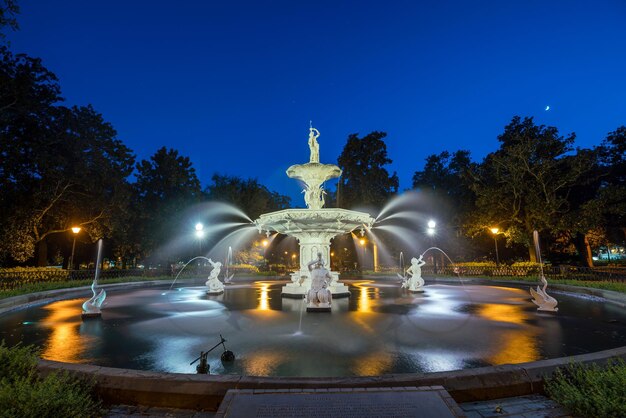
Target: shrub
<point>591,391</point>
<point>23,393</point>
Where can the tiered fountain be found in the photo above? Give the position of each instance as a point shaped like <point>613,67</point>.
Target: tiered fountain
<point>313,227</point>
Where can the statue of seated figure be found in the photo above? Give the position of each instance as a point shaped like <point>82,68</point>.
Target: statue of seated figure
<point>319,295</point>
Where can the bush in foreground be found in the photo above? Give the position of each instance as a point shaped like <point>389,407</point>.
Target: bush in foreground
<point>591,391</point>
<point>23,393</point>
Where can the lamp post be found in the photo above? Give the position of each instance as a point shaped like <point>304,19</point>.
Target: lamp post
<point>362,242</point>
<point>75,230</point>
<point>431,232</point>
<point>265,244</point>
<point>199,234</point>
<point>495,231</point>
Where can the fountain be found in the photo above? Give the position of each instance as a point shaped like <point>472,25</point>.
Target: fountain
<point>315,226</point>
<point>91,307</point>
<point>541,298</point>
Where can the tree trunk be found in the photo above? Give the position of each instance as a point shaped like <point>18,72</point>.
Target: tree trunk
<point>42,253</point>
<point>584,249</point>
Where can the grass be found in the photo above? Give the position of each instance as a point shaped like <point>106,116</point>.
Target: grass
<point>23,393</point>
<point>68,284</point>
<point>590,391</point>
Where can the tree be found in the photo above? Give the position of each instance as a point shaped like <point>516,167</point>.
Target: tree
<point>8,11</point>
<point>166,186</point>
<point>248,195</point>
<point>365,180</point>
<point>526,184</point>
<point>59,166</point>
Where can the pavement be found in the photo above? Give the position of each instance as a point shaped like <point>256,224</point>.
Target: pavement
<point>530,406</point>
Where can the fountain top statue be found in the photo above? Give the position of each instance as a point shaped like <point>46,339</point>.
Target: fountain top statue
<point>314,174</point>
<point>314,146</point>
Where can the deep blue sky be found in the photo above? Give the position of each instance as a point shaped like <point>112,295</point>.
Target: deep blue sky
<point>233,84</point>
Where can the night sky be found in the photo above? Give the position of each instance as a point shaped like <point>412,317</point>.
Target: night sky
<point>233,84</point>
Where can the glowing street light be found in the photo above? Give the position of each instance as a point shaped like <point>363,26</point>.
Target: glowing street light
<point>199,230</point>
<point>431,227</point>
<point>495,231</point>
<point>75,230</point>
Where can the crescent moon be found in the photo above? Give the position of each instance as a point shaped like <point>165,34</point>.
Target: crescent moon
<point>547,108</point>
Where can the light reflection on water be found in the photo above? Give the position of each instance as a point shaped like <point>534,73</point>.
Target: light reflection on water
<point>381,329</point>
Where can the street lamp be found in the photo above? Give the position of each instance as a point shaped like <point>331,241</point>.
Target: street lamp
<point>495,231</point>
<point>362,242</point>
<point>199,234</point>
<point>431,227</point>
<point>75,230</point>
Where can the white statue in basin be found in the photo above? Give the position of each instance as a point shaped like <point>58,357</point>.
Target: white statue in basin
<point>541,298</point>
<point>314,146</point>
<point>213,284</point>
<point>319,296</point>
<point>415,283</point>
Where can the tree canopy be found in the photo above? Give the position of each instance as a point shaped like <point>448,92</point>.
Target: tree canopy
<point>59,166</point>
<point>365,180</point>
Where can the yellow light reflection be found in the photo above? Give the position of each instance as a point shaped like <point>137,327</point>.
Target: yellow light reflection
<point>264,304</point>
<point>263,363</point>
<point>373,364</point>
<point>517,345</point>
<point>364,301</point>
<point>65,342</point>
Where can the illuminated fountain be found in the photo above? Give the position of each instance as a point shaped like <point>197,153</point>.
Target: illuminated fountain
<point>91,307</point>
<point>315,226</point>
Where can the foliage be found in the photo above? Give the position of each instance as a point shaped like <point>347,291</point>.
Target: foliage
<point>365,180</point>
<point>166,185</point>
<point>59,166</point>
<point>590,390</point>
<point>525,185</point>
<point>24,394</point>
<point>248,195</point>
<point>8,11</point>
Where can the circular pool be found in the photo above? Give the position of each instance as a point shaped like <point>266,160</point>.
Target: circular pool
<point>381,329</point>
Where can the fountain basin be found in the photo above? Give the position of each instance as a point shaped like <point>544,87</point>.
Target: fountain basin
<point>184,390</point>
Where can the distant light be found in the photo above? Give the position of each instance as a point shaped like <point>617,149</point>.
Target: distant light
<point>199,227</point>
<point>432,224</point>
<point>430,231</point>
<point>495,230</point>
<point>27,323</point>
<point>265,243</point>
<point>76,229</point>
<point>362,241</point>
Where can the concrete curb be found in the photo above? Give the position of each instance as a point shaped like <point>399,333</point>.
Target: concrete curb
<point>201,392</point>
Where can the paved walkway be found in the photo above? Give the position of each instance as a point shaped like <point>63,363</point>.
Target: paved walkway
<point>531,406</point>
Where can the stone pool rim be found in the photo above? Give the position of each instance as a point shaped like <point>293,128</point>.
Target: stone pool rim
<point>202,392</point>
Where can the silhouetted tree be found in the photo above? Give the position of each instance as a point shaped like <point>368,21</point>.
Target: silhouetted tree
<point>166,185</point>
<point>8,12</point>
<point>365,180</point>
<point>59,166</point>
<point>525,185</point>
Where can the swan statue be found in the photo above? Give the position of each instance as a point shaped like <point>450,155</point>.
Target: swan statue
<point>541,298</point>
<point>91,307</point>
